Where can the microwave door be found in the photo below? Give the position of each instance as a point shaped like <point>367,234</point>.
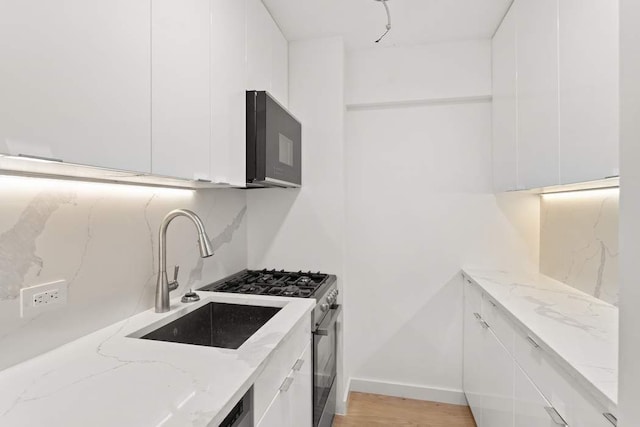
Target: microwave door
<point>283,146</point>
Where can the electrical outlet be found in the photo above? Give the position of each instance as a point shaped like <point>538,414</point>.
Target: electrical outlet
<point>47,297</point>
<point>40,298</point>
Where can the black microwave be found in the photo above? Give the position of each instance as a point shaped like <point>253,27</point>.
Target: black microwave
<point>273,143</point>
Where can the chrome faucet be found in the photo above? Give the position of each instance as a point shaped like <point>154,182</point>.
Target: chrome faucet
<point>163,286</point>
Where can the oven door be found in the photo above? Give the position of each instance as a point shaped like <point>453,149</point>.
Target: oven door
<point>324,368</point>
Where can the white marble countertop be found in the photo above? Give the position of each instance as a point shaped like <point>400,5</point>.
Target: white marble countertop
<point>580,331</point>
<point>109,379</point>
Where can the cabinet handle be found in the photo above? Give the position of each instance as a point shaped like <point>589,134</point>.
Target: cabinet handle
<point>533,342</point>
<point>482,322</point>
<point>298,364</point>
<point>286,384</point>
<point>555,416</point>
<point>611,418</point>
<point>492,303</point>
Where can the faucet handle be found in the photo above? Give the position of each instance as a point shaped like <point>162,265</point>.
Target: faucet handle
<point>173,285</point>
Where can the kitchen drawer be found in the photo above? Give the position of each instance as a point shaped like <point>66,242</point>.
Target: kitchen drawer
<point>279,366</point>
<point>499,323</point>
<point>572,401</point>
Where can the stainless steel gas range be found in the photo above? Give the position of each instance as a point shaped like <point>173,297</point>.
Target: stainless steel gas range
<point>321,287</point>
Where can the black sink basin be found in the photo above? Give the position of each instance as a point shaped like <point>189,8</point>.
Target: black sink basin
<point>215,325</point>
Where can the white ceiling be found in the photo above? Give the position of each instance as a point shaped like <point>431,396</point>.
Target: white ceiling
<point>361,22</point>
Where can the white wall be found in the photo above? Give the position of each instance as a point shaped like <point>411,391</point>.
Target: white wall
<point>102,239</point>
<point>629,387</point>
<point>440,70</point>
<point>302,228</point>
<point>419,205</point>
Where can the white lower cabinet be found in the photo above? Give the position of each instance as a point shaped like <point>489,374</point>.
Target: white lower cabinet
<point>529,404</point>
<point>497,371</point>
<point>508,378</point>
<point>488,367</point>
<point>291,406</point>
<point>473,336</point>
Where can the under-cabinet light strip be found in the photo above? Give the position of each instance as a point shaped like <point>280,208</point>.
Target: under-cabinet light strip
<point>583,193</point>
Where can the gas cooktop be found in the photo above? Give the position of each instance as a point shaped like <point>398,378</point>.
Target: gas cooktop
<point>271,282</point>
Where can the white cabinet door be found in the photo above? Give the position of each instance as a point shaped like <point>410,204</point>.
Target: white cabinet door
<point>180,88</point>
<point>537,64</point>
<point>529,405</point>
<point>300,394</point>
<point>487,367</point>
<point>259,46</point>
<point>228,86</point>
<point>505,121</point>
<point>75,81</point>
<point>267,53</point>
<point>588,41</point>
<point>292,405</point>
<point>277,413</point>
<point>473,338</point>
<point>497,379</point>
<point>279,65</point>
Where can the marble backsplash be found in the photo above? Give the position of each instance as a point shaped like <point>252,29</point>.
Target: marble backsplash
<point>102,239</point>
<point>579,241</point>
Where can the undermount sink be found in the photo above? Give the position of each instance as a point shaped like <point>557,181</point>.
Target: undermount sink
<point>215,324</point>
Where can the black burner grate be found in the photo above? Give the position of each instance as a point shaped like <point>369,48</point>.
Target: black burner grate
<point>271,282</point>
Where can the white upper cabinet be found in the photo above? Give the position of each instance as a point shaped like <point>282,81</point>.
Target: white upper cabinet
<point>279,65</point>
<point>228,86</point>
<point>267,53</point>
<point>565,112</point>
<point>180,88</point>
<point>505,130</point>
<point>258,46</point>
<point>537,106</point>
<point>589,113</point>
<point>124,85</point>
<point>206,54</point>
<point>75,81</point>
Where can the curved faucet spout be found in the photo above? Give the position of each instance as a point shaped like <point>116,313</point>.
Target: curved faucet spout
<point>163,287</point>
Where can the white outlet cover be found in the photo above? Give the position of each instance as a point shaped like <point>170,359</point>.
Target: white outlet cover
<point>27,309</point>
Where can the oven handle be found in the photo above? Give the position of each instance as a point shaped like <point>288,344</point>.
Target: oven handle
<point>324,328</point>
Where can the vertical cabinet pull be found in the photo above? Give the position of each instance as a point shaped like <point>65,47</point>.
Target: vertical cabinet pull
<point>611,418</point>
<point>298,364</point>
<point>533,342</point>
<point>286,384</point>
<point>555,416</point>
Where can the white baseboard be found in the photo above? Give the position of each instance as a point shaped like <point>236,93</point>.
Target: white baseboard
<point>409,391</point>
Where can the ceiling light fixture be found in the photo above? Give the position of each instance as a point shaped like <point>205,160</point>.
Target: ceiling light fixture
<point>386,7</point>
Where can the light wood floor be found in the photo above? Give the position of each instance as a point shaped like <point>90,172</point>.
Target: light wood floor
<point>375,410</point>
